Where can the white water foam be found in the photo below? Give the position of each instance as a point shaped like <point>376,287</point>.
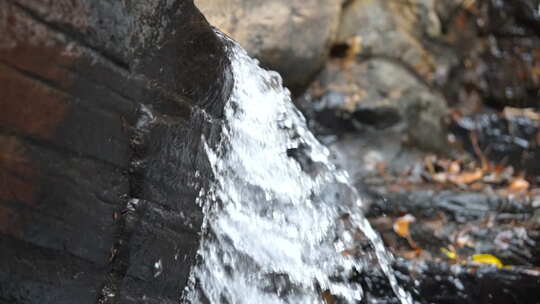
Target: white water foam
<point>279,217</point>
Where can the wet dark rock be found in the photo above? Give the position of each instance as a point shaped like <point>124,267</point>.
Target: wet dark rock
<point>326,114</point>
<point>330,113</point>
<point>510,140</point>
<point>451,284</point>
<point>301,154</point>
<point>472,222</point>
<point>99,149</point>
<point>363,153</point>
<point>499,62</point>
<point>376,94</point>
<point>381,118</point>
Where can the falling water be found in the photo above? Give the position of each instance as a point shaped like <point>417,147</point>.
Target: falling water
<point>281,223</point>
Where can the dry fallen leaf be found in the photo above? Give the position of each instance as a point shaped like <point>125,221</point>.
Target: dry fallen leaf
<point>440,177</point>
<point>463,239</point>
<point>401,225</point>
<point>468,177</point>
<point>411,254</point>
<point>518,184</point>
<point>510,112</point>
<point>429,163</point>
<point>477,186</point>
<point>454,167</point>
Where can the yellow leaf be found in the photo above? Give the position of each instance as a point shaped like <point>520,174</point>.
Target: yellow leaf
<point>488,259</point>
<point>451,254</point>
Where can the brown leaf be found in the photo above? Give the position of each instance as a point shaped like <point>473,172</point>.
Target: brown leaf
<point>411,254</point>
<point>518,184</point>
<point>381,168</point>
<point>477,186</point>
<point>440,177</point>
<point>468,177</point>
<point>510,112</point>
<point>454,167</point>
<point>428,162</point>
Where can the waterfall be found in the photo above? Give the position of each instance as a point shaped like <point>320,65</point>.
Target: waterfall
<point>281,222</point>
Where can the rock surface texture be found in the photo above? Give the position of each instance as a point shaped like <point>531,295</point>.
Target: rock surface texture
<point>394,30</point>
<point>383,72</point>
<point>497,44</point>
<point>291,37</point>
<point>103,105</point>
<point>378,94</point>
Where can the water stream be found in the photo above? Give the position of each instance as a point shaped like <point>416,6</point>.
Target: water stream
<point>281,223</point>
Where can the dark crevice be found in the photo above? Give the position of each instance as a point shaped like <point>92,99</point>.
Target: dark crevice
<point>35,77</point>
<point>346,4</point>
<point>339,50</point>
<point>447,22</point>
<point>119,256</point>
<point>382,118</point>
<point>126,224</point>
<point>74,36</point>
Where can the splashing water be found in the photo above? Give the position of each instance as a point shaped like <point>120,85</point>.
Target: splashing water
<point>279,218</point>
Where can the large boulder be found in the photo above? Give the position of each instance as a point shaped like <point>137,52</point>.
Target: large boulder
<point>290,36</point>
<point>398,30</point>
<point>377,94</point>
<point>103,105</point>
<point>474,52</point>
<point>383,73</point>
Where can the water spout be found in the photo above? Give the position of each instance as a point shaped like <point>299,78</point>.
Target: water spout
<point>280,220</point>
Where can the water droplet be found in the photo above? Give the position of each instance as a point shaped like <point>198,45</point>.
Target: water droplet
<point>158,268</point>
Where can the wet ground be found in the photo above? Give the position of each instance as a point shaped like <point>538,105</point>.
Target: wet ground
<point>464,225</point>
